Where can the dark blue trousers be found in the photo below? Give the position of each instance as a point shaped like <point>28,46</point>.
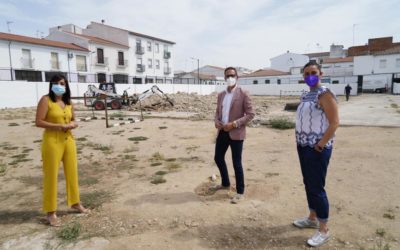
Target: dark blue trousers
<point>314,166</point>
<point>221,146</point>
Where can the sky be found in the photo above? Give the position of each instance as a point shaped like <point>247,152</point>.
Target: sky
<point>244,33</point>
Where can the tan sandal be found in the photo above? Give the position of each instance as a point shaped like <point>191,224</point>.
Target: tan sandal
<point>81,209</point>
<point>53,221</point>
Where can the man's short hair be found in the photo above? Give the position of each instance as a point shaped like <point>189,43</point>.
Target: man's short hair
<point>230,68</point>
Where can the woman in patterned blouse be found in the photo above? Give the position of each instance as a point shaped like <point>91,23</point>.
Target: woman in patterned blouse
<point>317,119</point>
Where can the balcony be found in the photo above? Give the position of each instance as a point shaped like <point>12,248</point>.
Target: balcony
<point>167,70</point>
<point>140,67</point>
<point>139,50</point>
<point>55,65</point>
<point>81,67</point>
<point>167,55</point>
<point>27,63</point>
<point>102,63</point>
<point>122,64</point>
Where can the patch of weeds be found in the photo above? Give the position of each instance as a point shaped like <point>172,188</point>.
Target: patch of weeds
<point>389,215</point>
<point>125,166</point>
<point>103,148</point>
<point>26,150</point>
<point>162,127</point>
<point>3,169</point>
<point>10,148</point>
<point>394,105</point>
<point>380,245</point>
<point>37,141</point>
<point>192,148</point>
<point>173,166</point>
<point>18,158</point>
<point>130,157</point>
<point>137,138</point>
<point>81,139</point>
<point>192,158</point>
<point>95,199</point>
<point>170,159</point>
<point>117,115</point>
<point>380,232</point>
<point>157,157</point>
<point>154,164</point>
<point>70,232</point>
<point>131,149</point>
<point>161,172</point>
<point>31,180</point>
<point>88,181</point>
<point>13,124</point>
<point>271,174</point>
<point>158,179</point>
<point>118,132</point>
<point>282,123</point>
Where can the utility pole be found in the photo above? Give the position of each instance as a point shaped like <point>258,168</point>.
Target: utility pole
<point>198,69</point>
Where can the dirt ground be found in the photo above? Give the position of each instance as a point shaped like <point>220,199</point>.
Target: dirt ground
<point>148,184</point>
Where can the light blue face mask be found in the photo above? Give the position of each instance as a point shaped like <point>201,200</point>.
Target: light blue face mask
<point>57,89</point>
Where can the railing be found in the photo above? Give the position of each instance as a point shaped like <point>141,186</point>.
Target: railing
<point>28,63</point>
<point>139,50</point>
<point>140,67</point>
<point>123,65</point>
<point>103,63</point>
<point>167,55</point>
<point>167,70</point>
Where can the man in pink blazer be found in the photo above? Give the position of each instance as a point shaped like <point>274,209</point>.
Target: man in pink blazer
<point>234,111</point>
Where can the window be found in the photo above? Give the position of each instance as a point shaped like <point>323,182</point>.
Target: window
<point>157,48</point>
<point>397,62</point>
<point>267,81</point>
<point>100,56</point>
<point>150,63</point>
<point>255,82</point>
<point>137,80</point>
<point>28,75</point>
<point>81,78</point>
<point>121,58</point>
<point>54,61</point>
<point>301,82</point>
<point>119,78</point>
<point>81,63</point>
<point>382,63</point>
<point>149,80</point>
<point>139,61</point>
<point>279,81</point>
<point>157,64</point>
<point>26,59</point>
<point>149,46</point>
<point>48,75</point>
<point>335,82</point>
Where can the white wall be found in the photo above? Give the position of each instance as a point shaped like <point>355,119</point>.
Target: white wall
<point>396,88</point>
<point>365,65</point>
<point>288,60</point>
<point>27,94</point>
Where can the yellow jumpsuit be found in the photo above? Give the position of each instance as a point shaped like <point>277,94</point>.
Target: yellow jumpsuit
<point>59,146</point>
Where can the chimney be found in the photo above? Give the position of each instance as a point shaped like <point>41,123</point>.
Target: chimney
<point>103,21</point>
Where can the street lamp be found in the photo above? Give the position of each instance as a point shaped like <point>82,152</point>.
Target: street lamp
<point>198,69</point>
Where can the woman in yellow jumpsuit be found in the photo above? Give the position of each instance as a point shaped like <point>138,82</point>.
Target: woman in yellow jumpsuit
<point>56,115</point>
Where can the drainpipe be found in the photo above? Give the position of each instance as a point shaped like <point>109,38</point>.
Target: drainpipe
<point>9,53</point>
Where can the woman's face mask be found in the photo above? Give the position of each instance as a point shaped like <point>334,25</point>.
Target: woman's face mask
<point>58,89</point>
<point>311,80</point>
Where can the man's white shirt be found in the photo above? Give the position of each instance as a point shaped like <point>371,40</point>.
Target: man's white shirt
<point>226,105</point>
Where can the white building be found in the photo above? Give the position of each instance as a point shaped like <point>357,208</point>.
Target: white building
<point>270,76</point>
<point>287,61</point>
<point>32,59</point>
<point>152,57</point>
<point>107,60</point>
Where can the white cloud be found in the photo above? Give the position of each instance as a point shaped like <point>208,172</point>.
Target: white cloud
<point>236,32</point>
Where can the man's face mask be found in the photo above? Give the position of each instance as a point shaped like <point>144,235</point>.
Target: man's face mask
<point>231,81</point>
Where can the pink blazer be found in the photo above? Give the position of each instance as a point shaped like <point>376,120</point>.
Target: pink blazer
<point>241,111</point>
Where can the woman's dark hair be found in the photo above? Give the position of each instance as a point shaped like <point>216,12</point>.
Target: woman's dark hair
<point>66,97</point>
<point>312,63</point>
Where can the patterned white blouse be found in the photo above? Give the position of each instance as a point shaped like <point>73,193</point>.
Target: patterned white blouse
<point>311,121</point>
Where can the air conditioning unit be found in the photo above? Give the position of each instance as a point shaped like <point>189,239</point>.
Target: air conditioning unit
<point>70,55</point>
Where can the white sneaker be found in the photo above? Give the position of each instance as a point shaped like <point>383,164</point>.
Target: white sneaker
<point>318,239</point>
<point>306,223</point>
<point>237,198</point>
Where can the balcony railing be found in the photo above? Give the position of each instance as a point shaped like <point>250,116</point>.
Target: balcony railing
<point>140,67</point>
<point>167,70</point>
<point>123,65</point>
<point>101,63</point>
<point>167,55</point>
<point>139,50</point>
<point>81,67</point>
<point>55,65</point>
<point>28,63</point>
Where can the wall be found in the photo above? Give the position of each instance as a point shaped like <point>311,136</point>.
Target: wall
<point>288,60</point>
<point>27,94</point>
